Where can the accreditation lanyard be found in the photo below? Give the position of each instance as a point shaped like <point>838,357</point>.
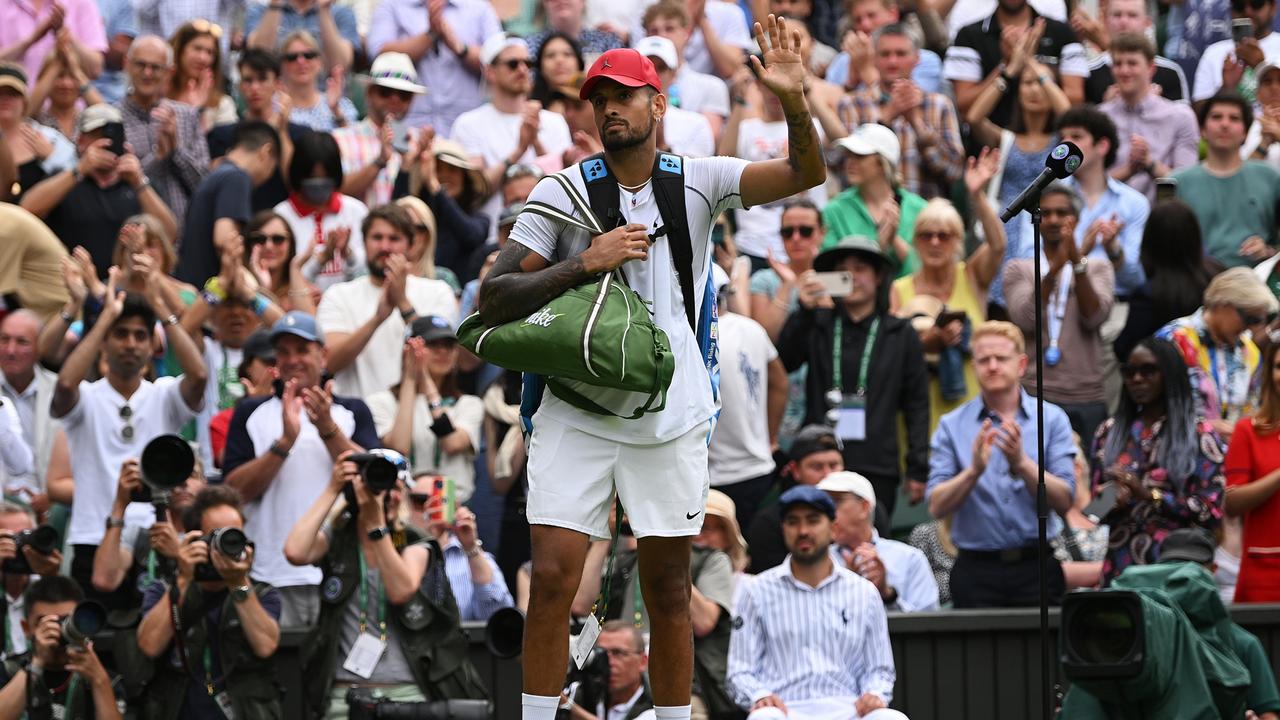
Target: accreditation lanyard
<point>637,600</point>
<point>1057,309</point>
<point>364,602</point>
<point>837,356</point>
<point>208,671</point>
<point>1221,378</point>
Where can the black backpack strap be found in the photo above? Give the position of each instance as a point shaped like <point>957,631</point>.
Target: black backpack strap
<point>602,191</point>
<point>668,190</point>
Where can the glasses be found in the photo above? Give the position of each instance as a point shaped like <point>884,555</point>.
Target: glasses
<point>620,653</point>
<point>204,27</point>
<point>1148,370</point>
<point>419,499</point>
<point>273,238</point>
<point>304,55</point>
<point>386,92</point>
<point>931,235</point>
<point>1239,5</point>
<point>126,416</point>
<point>515,63</point>
<point>147,67</point>
<point>1249,319</point>
<point>805,231</point>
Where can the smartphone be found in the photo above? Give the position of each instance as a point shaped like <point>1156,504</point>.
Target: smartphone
<point>443,505</point>
<point>1166,189</point>
<point>400,136</point>
<point>836,284</point>
<point>115,133</point>
<point>946,317</point>
<point>1241,28</point>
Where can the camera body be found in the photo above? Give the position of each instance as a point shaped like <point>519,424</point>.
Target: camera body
<point>589,685</point>
<point>363,705</point>
<point>228,541</point>
<point>380,468</point>
<point>43,539</point>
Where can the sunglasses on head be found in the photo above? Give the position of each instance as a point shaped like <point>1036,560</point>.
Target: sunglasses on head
<point>303,55</point>
<point>805,231</point>
<point>515,63</point>
<point>273,238</point>
<point>126,415</point>
<point>1128,371</point>
<point>204,27</point>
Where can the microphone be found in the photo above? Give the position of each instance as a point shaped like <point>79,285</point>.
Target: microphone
<point>1061,162</point>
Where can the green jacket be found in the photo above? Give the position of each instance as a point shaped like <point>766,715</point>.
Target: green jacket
<point>429,626</point>
<point>247,678</point>
<point>847,215</point>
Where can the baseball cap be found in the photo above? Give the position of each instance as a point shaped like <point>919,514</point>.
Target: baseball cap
<point>873,139</point>
<point>845,481</point>
<point>719,278</point>
<point>496,43</point>
<point>396,71</point>
<point>510,213</point>
<point>432,327</point>
<point>98,116</point>
<point>1265,66</point>
<point>12,75</point>
<point>622,65</point>
<point>258,346</point>
<point>298,324</point>
<point>1187,545</point>
<point>813,439</point>
<point>807,495</point>
<point>655,46</point>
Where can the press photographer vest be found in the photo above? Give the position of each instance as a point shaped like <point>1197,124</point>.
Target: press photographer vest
<point>429,626</point>
<point>248,679</point>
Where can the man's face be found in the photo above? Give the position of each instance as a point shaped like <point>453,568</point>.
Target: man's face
<point>562,12</point>
<point>896,58</point>
<point>791,8</point>
<point>40,610</point>
<point>220,516</point>
<point>1224,128</point>
<point>128,347</point>
<point>853,517</point>
<point>148,69</point>
<point>1269,89</point>
<point>1261,14</point>
<point>383,241</point>
<point>714,533</point>
<point>1133,73</point>
<point>298,359</point>
<point>998,363</point>
<point>865,279</point>
<point>871,15</point>
<point>671,29</point>
<point>511,71</point>
<point>518,189</point>
<point>625,116</point>
<point>18,335</point>
<point>806,531</point>
<point>627,663</point>
<point>1126,16</point>
<point>1095,151</point>
<point>1059,219</point>
<point>811,468</point>
<point>257,88</point>
<point>13,523</point>
<point>389,103</point>
<point>232,322</point>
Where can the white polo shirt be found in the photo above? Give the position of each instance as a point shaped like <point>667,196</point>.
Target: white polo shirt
<point>95,436</point>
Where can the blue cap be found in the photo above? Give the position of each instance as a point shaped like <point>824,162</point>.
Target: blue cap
<point>807,495</point>
<point>299,324</point>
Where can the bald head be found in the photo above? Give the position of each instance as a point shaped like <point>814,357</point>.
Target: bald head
<point>18,333</point>
<point>150,63</point>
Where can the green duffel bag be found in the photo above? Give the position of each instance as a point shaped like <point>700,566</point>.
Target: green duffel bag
<point>599,333</point>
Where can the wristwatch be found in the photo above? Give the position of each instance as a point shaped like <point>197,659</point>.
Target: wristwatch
<point>1080,268</point>
<point>115,522</point>
<point>479,548</point>
<point>377,534</point>
<point>241,593</point>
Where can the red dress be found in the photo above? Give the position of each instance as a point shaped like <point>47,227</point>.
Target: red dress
<point>1250,457</point>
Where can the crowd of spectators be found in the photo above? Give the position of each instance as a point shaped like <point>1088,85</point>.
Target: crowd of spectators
<point>258,225</point>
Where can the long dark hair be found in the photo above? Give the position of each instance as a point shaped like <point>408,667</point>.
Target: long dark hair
<point>1172,257</point>
<point>1179,443</point>
<point>541,91</point>
<point>257,222</point>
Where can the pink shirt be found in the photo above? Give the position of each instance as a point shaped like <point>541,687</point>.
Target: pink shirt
<point>19,18</point>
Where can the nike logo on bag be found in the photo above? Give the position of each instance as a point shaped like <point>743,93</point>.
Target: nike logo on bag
<point>692,515</point>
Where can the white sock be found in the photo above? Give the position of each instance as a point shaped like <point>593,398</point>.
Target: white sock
<point>678,712</point>
<point>540,707</point>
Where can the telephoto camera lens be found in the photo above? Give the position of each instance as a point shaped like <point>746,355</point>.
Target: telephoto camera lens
<point>167,461</point>
<point>380,468</point>
<point>42,539</point>
<point>87,620</point>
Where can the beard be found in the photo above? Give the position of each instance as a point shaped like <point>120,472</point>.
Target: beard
<point>377,269</point>
<point>632,138</point>
<point>813,556</point>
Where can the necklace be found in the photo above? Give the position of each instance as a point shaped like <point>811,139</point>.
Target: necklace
<point>634,188</point>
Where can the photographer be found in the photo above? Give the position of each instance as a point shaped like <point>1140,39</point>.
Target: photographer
<point>238,670</point>
<point>628,695</point>
<point>380,628</point>
<point>14,519</point>
<point>61,680</point>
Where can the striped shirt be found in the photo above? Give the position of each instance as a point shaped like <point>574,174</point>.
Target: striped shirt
<point>927,171</point>
<point>475,602</point>
<point>360,145</point>
<point>806,643</point>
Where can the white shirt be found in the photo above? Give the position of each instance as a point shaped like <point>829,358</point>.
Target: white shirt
<point>350,215</point>
<point>98,448</point>
<point>17,640</point>
<point>730,25</point>
<point>16,457</point>
<point>224,366</point>
<point>467,415</point>
<point>688,133</point>
<point>493,135</point>
<point>1209,70</point>
<point>967,12</point>
<point>346,306</point>
<point>700,92</point>
<point>758,227</point>
<point>619,712</point>
<point>711,186</point>
<point>740,447</point>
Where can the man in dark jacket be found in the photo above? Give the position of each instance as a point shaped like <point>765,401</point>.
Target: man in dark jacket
<point>865,367</point>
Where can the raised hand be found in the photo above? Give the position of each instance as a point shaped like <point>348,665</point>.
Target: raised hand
<point>37,143</point>
<point>88,271</point>
<point>782,269</point>
<point>335,88</point>
<point>783,69</point>
<point>290,412</point>
<point>979,171</point>
<point>113,300</point>
<point>73,281</point>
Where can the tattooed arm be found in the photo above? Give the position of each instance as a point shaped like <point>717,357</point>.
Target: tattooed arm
<point>522,281</point>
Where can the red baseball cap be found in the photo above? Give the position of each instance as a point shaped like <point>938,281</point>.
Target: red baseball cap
<point>623,65</point>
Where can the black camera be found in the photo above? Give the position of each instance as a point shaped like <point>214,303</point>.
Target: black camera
<point>228,541</point>
<point>43,540</point>
<point>167,461</point>
<point>380,468</point>
<point>87,620</point>
<point>588,685</point>
<point>362,705</point>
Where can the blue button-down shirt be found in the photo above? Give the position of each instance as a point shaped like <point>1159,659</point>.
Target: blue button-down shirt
<point>119,18</point>
<point>1000,512</point>
<point>928,72</point>
<point>1131,208</point>
<point>907,570</point>
<point>475,602</point>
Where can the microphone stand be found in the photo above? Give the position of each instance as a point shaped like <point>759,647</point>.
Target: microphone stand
<point>1042,496</point>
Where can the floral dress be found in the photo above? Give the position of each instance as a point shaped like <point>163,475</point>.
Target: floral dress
<point>1138,530</point>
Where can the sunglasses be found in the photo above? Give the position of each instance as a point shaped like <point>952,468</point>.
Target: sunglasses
<point>304,55</point>
<point>1239,5</point>
<point>419,499</point>
<point>126,416</point>
<point>204,27</point>
<point>386,92</point>
<point>1250,319</point>
<point>931,235</point>
<point>514,64</point>
<point>805,231</point>
<point>1148,370</point>
<point>274,239</point>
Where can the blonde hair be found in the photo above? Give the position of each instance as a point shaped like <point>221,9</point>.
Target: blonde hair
<point>1239,287</point>
<point>1000,328</point>
<point>421,212</point>
<point>940,212</point>
<point>154,234</point>
<point>302,35</point>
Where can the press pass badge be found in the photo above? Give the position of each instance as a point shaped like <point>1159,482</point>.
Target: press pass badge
<point>364,655</point>
<point>582,643</point>
<point>223,700</point>
<point>851,422</point>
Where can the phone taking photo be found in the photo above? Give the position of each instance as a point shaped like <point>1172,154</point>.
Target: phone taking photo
<point>835,284</point>
<point>1166,189</point>
<point>443,506</point>
<point>1241,28</point>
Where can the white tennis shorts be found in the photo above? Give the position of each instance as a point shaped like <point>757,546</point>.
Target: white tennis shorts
<point>572,476</point>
